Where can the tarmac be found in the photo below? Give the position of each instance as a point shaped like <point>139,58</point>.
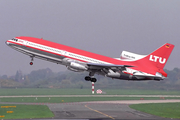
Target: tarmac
<point>97,111</point>
<point>101,110</point>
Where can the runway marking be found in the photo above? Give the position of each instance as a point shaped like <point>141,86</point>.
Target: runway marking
<point>99,112</point>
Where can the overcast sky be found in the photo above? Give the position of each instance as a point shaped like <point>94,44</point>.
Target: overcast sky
<point>105,27</point>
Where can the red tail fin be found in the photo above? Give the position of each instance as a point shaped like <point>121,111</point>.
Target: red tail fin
<point>159,57</point>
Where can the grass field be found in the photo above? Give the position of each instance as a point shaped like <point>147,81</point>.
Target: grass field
<point>74,99</point>
<point>167,110</point>
<point>46,91</point>
<point>24,111</point>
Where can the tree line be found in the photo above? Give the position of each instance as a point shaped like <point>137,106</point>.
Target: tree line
<point>46,78</point>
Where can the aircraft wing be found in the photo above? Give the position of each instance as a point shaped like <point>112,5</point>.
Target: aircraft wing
<point>107,66</point>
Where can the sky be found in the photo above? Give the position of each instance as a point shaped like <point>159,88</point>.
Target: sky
<point>105,27</point>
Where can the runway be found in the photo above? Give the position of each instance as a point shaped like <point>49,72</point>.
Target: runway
<point>90,96</point>
<point>97,111</point>
<point>102,110</point>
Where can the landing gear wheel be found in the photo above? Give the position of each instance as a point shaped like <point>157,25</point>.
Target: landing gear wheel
<point>93,80</point>
<point>87,78</point>
<point>31,63</point>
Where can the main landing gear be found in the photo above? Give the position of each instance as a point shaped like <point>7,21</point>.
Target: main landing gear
<point>31,63</point>
<point>88,78</point>
<point>91,77</point>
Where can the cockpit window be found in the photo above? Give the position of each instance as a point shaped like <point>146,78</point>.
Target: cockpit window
<point>15,39</point>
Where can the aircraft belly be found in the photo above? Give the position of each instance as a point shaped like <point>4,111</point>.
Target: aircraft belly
<point>38,53</point>
<point>127,77</point>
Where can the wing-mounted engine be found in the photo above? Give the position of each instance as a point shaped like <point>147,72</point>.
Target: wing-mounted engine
<point>72,69</point>
<point>67,61</point>
<point>113,74</point>
<point>78,66</point>
<point>74,65</point>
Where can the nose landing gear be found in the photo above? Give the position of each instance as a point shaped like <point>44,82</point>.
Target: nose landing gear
<point>31,63</point>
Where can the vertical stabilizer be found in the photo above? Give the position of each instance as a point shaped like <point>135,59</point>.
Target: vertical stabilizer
<point>159,57</point>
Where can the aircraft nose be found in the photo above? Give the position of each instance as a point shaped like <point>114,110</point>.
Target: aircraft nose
<point>7,43</point>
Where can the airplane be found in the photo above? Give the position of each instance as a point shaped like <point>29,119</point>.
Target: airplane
<point>129,66</point>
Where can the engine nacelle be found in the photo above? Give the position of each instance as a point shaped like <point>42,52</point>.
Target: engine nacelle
<point>75,70</point>
<point>113,74</point>
<point>77,66</point>
<point>67,61</point>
